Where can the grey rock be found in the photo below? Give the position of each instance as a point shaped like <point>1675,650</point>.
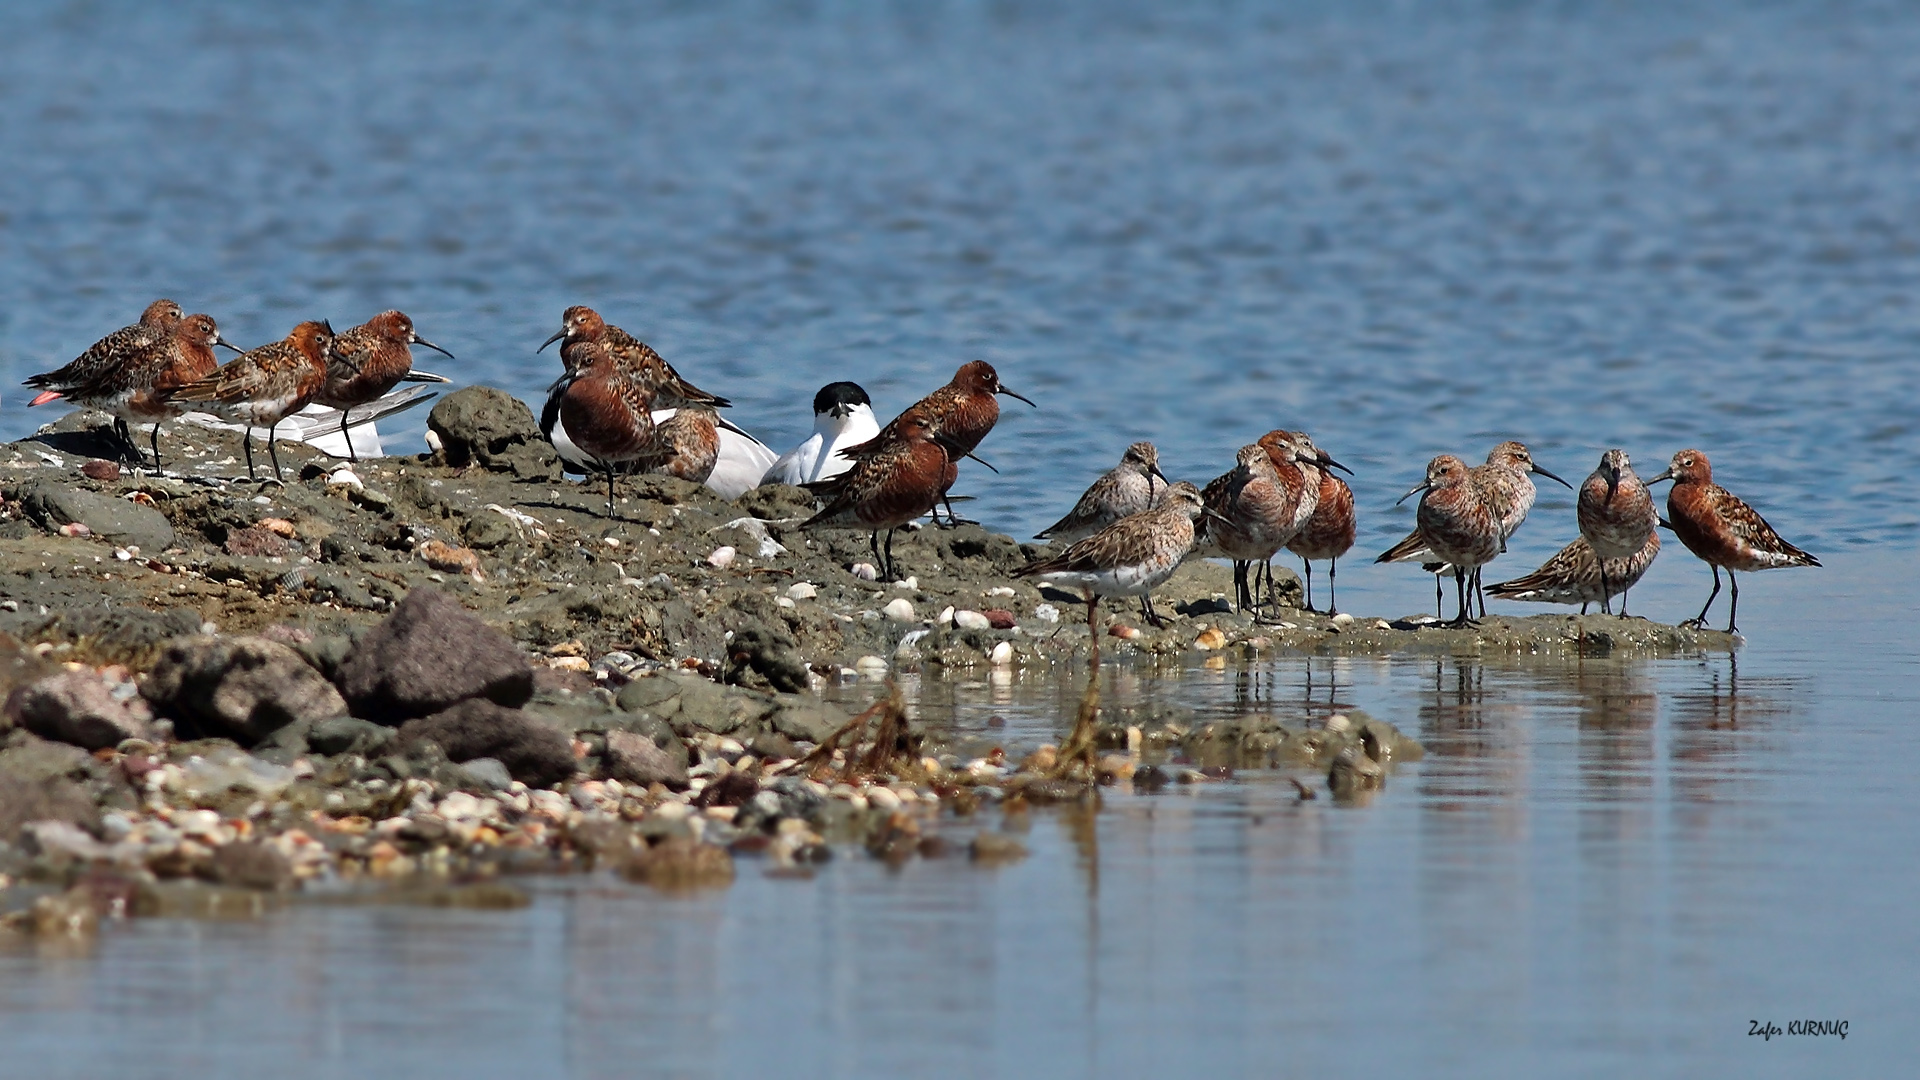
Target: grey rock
<point>636,759</point>
<point>798,799</point>
<point>245,687</point>
<point>807,719</point>
<point>348,735</point>
<point>116,521</point>
<point>479,425</point>
<point>39,782</point>
<point>78,707</point>
<point>283,746</point>
<point>429,654</point>
<point>485,774</point>
<point>656,694</point>
<point>326,653</point>
<point>709,707</point>
<point>535,754</point>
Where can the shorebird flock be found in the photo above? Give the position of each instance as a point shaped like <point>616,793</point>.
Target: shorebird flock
<point>619,407</point>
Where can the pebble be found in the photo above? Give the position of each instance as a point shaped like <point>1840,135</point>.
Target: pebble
<point>1125,633</point>
<point>453,559</point>
<point>346,478</point>
<point>722,557</point>
<point>971,620</point>
<point>75,528</point>
<point>870,666</point>
<point>1210,638</point>
<point>802,590</point>
<point>1047,613</point>
<point>1001,590</point>
<point>908,583</point>
<point>1002,654</point>
<point>1343,619</point>
<point>1338,722</point>
<point>883,798</point>
<point>100,470</point>
<point>946,616</point>
<point>899,609</point>
<point>865,571</point>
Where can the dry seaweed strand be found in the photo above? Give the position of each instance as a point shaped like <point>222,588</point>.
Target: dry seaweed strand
<point>881,757</point>
<point>1078,748</point>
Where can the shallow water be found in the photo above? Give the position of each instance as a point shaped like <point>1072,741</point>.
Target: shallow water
<point>1406,229</point>
<point>1599,867</point>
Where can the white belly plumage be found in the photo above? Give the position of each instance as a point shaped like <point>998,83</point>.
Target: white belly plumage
<point>818,457</point>
<point>742,461</point>
<point>1120,581</point>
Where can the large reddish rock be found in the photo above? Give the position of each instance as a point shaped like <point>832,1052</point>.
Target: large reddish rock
<point>429,655</point>
<point>78,708</point>
<point>534,754</point>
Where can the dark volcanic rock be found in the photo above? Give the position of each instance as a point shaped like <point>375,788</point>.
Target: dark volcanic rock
<point>245,687</point>
<point>762,657</point>
<point>117,521</point>
<point>633,758</point>
<point>535,754</point>
<point>78,707</point>
<point>429,654</point>
<point>480,425</point>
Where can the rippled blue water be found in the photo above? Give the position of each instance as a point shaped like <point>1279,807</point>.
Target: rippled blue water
<point>1407,228</point>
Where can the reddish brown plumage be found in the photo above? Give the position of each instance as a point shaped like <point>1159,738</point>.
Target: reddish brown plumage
<point>1329,533</point>
<point>583,333</point>
<point>187,357</point>
<point>960,413</point>
<point>608,415</point>
<point>891,486</point>
<point>1615,509</point>
<point>98,378</point>
<point>1252,511</point>
<point>1454,524</point>
<point>263,386</point>
<point>691,439</point>
<point>1294,458</point>
<point>1717,526</point>
<point>369,360</point>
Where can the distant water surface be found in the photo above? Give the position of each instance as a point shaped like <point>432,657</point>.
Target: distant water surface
<point>1408,228</point>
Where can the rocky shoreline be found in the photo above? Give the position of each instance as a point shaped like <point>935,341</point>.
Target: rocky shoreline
<point>429,672</point>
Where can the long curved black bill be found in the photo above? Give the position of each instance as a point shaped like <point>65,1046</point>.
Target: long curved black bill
<point>423,341</point>
<point>1665,474</point>
<point>416,375</point>
<point>557,335</point>
<point>985,462</point>
<point>225,344</point>
<point>1550,476</point>
<point>1332,464</point>
<point>1410,494</point>
<point>1011,394</point>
